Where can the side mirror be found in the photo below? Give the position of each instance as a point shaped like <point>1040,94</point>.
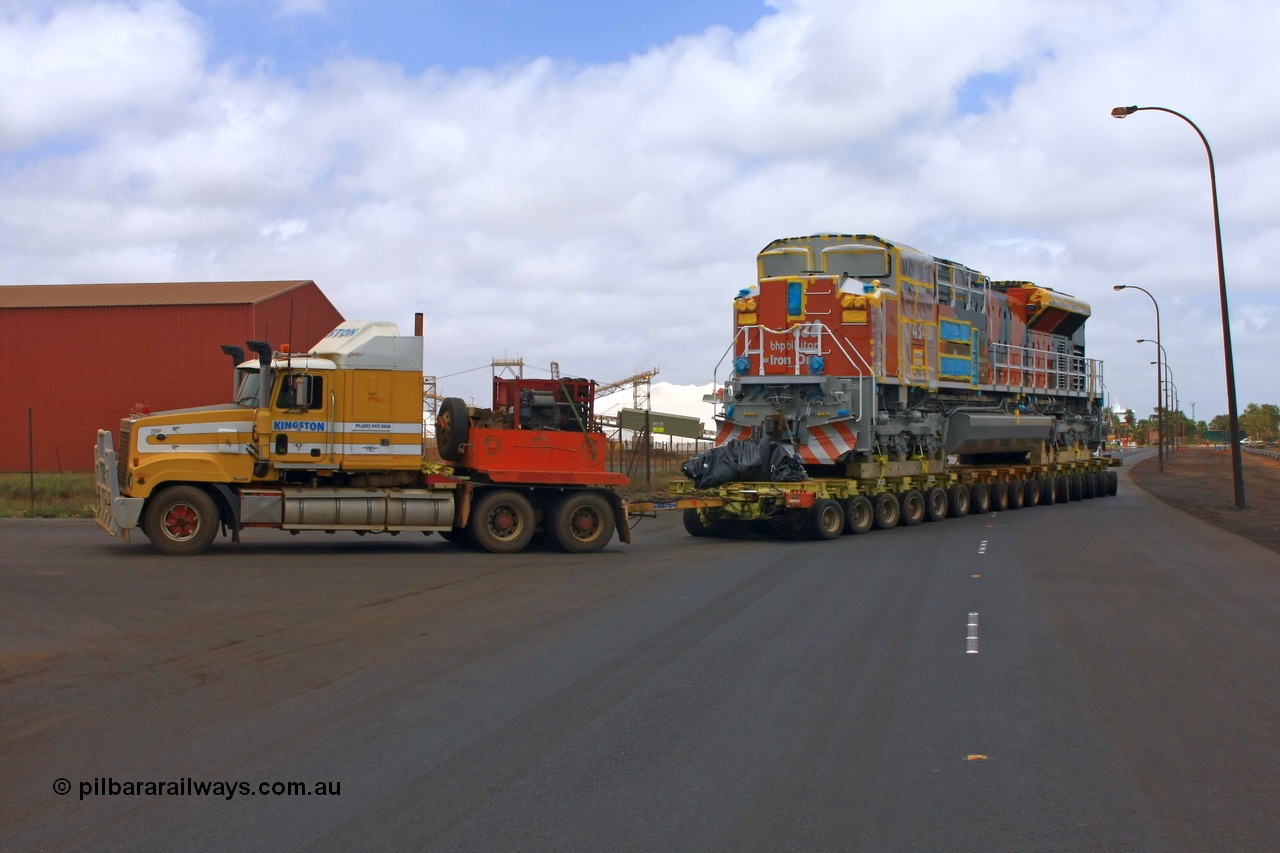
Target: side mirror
<point>302,391</point>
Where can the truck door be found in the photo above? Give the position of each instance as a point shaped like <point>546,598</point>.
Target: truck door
<point>302,421</point>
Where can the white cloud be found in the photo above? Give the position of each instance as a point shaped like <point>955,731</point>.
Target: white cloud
<point>603,216</point>
<point>78,70</point>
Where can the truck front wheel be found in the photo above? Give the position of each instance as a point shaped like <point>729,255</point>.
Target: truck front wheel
<point>181,521</point>
<point>501,522</point>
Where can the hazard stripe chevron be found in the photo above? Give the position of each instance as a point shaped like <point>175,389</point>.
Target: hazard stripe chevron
<point>730,431</point>
<point>827,443</point>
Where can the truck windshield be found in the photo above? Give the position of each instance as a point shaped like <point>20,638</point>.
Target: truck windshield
<point>247,387</point>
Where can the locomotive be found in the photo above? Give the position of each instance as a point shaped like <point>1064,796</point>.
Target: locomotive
<point>851,350</point>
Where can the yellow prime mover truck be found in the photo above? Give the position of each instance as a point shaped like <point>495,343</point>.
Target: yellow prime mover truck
<point>333,439</point>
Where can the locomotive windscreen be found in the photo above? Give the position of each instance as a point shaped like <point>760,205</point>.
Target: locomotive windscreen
<point>856,261</point>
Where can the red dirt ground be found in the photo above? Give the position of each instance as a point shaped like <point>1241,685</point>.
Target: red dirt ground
<point>1198,480</point>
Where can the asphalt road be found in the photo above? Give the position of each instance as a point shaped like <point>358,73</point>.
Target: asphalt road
<point>676,694</point>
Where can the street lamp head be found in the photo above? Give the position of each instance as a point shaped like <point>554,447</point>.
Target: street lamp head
<point>1121,112</point>
<point>1119,286</point>
<point>1143,341</point>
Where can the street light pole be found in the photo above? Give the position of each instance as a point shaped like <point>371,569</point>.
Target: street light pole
<point>1162,399</point>
<point>1171,390</point>
<point>1233,420</point>
<point>1160,350</point>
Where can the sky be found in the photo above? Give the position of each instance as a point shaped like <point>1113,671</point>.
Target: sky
<point>588,183</point>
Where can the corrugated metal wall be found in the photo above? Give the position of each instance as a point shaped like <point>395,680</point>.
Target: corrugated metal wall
<point>299,318</point>
<point>81,369</point>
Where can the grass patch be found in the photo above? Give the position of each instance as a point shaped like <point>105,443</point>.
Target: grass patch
<point>56,496</point>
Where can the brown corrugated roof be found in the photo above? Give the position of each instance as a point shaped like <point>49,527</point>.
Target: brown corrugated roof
<point>155,293</point>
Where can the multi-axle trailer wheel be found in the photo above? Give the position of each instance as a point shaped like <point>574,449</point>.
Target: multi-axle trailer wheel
<point>827,518</point>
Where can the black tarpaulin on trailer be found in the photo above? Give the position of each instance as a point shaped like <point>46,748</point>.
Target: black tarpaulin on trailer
<point>749,461</point>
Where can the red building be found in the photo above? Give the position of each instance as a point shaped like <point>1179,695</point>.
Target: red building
<point>78,357</point>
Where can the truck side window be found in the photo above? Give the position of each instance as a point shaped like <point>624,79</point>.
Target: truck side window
<point>301,391</point>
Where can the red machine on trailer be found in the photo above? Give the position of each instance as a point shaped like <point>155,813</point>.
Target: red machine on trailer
<point>541,439</point>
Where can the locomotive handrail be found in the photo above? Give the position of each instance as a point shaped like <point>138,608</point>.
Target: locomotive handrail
<point>1076,377</point>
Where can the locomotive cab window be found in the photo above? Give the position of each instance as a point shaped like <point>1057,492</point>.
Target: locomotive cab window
<point>856,261</point>
<point>780,262</point>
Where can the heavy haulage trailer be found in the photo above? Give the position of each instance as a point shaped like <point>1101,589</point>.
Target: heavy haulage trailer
<point>826,507</point>
<point>334,439</point>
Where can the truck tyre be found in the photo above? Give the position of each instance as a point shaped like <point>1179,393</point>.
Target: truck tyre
<point>999,495</point>
<point>1017,492</point>
<point>501,522</point>
<point>859,515</point>
<point>1113,483</point>
<point>935,504</point>
<point>957,501</point>
<point>979,499</point>
<point>824,520</point>
<point>693,523</point>
<point>1077,487</point>
<point>181,520</point>
<point>888,511</point>
<point>1031,496</point>
<point>1048,491</point>
<point>582,522</point>
<point>912,507</point>
<point>452,428</point>
<point>1064,489</point>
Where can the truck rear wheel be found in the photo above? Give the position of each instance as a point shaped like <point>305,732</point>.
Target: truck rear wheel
<point>181,521</point>
<point>957,501</point>
<point>582,522</point>
<point>979,499</point>
<point>999,495</point>
<point>888,511</point>
<point>935,504</point>
<point>859,514</point>
<point>501,522</point>
<point>824,520</point>
<point>452,428</point>
<point>912,507</point>
<point>1048,491</point>
<point>693,523</point>
<point>1113,483</point>
<point>1017,492</point>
